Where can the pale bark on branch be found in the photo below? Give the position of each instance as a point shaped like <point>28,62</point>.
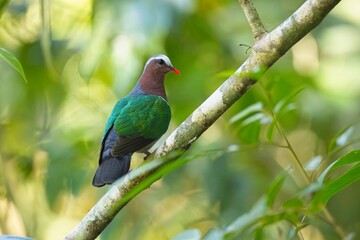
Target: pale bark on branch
<point>267,49</point>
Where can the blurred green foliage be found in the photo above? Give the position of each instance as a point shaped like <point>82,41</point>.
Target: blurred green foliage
<point>79,57</point>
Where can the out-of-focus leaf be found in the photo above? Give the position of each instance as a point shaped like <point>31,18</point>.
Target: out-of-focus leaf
<point>214,234</point>
<point>322,197</point>
<point>270,131</point>
<point>11,237</point>
<point>250,133</point>
<point>191,234</point>
<point>285,102</point>
<point>258,217</point>
<point>13,62</point>
<point>293,203</point>
<point>233,148</point>
<point>246,220</point>
<point>251,120</point>
<point>225,74</point>
<point>296,202</point>
<point>282,106</point>
<point>3,4</point>
<point>350,236</point>
<point>259,234</point>
<point>341,138</point>
<point>287,108</point>
<point>261,117</point>
<point>313,163</point>
<point>293,234</point>
<point>350,158</point>
<point>344,137</point>
<point>274,190</point>
<point>254,108</point>
<point>310,189</point>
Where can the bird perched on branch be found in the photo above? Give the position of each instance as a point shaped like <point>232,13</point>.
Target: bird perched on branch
<point>136,122</point>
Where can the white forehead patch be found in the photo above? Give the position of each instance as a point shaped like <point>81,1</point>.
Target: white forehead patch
<point>159,56</point>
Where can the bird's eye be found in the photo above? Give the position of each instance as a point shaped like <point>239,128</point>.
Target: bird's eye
<point>161,61</point>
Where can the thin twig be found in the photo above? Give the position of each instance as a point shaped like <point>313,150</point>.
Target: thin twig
<point>301,170</point>
<point>256,25</point>
<point>330,219</point>
<point>298,162</point>
<point>297,165</point>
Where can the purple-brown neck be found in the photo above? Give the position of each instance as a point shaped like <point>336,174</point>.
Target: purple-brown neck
<point>152,81</point>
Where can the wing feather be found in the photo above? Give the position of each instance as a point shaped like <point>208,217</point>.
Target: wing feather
<point>138,121</point>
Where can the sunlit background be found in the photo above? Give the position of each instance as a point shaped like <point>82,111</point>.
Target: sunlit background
<point>79,57</point>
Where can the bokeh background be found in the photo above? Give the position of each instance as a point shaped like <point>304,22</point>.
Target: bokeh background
<point>79,57</point>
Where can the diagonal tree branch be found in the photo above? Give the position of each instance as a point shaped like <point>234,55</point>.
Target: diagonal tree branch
<point>267,49</point>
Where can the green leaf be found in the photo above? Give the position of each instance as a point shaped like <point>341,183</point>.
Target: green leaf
<point>250,133</point>
<point>350,236</point>
<point>214,234</point>
<point>284,105</point>
<point>274,190</point>
<point>251,120</point>
<point>12,237</point>
<point>191,234</point>
<point>3,5</point>
<point>350,158</point>
<point>294,203</point>
<point>310,189</point>
<point>259,234</point>
<point>256,117</point>
<point>254,108</point>
<point>246,220</point>
<point>13,62</point>
<point>322,197</point>
<point>285,102</point>
<point>225,74</point>
<point>341,138</point>
<point>313,163</point>
<point>297,202</point>
<point>270,131</point>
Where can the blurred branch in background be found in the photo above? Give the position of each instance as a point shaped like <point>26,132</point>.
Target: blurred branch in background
<point>46,37</point>
<point>268,48</point>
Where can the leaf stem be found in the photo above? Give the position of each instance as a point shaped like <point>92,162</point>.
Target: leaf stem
<point>330,220</point>
<point>299,167</point>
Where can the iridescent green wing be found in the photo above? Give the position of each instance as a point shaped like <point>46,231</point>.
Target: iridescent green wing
<point>114,114</point>
<point>145,116</point>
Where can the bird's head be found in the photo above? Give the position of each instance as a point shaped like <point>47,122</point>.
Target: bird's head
<point>153,76</point>
<point>160,64</point>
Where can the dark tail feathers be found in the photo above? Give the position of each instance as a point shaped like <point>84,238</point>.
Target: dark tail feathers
<point>111,169</point>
